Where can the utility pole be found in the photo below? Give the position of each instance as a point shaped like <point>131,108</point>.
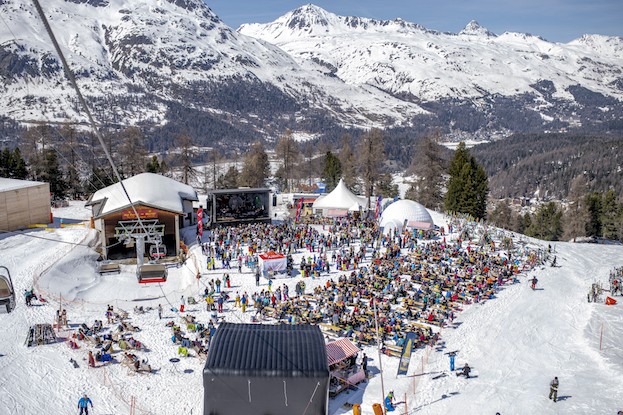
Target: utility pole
<point>378,346</point>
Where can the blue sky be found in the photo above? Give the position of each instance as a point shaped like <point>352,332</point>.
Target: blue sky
<point>554,20</point>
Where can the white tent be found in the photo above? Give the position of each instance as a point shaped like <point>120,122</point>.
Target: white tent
<point>272,261</point>
<point>406,212</point>
<point>342,199</point>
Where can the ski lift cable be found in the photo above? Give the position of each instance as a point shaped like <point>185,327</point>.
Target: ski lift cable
<point>72,80</point>
<point>74,165</point>
<point>45,239</point>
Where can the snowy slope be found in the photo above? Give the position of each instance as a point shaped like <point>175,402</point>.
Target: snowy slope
<point>516,342</point>
<point>172,50</point>
<point>402,57</point>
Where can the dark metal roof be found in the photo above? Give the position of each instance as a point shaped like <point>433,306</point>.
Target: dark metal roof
<point>267,350</point>
<point>239,190</point>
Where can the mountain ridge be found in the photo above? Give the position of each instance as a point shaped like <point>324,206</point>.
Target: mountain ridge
<point>173,65</point>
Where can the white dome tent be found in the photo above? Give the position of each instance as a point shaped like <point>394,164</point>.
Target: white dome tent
<point>339,202</point>
<point>405,213</point>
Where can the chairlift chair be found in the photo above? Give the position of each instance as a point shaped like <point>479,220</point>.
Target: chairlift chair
<point>151,273</point>
<point>7,292</point>
<point>157,251</point>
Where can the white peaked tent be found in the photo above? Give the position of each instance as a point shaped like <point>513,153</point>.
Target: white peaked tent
<point>408,212</point>
<point>341,198</point>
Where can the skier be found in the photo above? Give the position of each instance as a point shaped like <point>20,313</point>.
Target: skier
<point>160,311</point>
<point>389,402</point>
<point>83,404</point>
<point>534,281</point>
<point>91,359</point>
<point>452,356</point>
<point>553,389</point>
<point>554,261</point>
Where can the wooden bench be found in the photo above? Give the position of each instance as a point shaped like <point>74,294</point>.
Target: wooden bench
<point>109,269</point>
<point>330,328</point>
<point>391,350</point>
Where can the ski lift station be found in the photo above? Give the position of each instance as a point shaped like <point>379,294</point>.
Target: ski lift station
<point>163,206</point>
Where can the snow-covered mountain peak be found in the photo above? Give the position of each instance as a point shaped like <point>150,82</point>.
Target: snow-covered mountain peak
<point>473,28</point>
<point>308,16</point>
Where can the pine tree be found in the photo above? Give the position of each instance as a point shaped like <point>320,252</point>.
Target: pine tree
<point>153,165</point>
<point>593,207</point>
<point>256,167</point>
<point>332,171</point>
<point>576,216</point>
<point>185,157</point>
<point>20,170</point>
<point>35,142</point>
<point>502,216</point>
<point>133,153</point>
<point>12,164</point>
<point>468,185</point>
<point>371,158</point>
<point>287,150</point>
<point>53,175</point>
<point>610,212</point>
<point>349,168</point>
<point>386,186</point>
<point>428,165</point>
<point>547,223</point>
<point>5,162</point>
<point>229,180</point>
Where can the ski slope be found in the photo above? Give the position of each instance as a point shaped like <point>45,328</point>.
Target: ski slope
<point>515,343</point>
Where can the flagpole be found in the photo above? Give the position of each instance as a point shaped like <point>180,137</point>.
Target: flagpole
<point>378,344</point>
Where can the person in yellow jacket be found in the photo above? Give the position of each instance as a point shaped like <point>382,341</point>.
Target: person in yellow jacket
<point>209,303</point>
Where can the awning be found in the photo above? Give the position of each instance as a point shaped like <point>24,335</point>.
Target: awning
<point>420,225</point>
<point>340,350</point>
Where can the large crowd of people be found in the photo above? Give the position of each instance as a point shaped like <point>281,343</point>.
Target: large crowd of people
<point>417,280</point>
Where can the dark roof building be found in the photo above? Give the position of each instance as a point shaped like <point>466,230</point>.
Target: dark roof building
<point>266,369</point>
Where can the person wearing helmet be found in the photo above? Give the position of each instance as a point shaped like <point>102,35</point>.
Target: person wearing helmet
<point>83,404</point>
<point>389,402</point>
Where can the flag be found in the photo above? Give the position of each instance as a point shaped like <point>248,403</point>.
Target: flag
<point>200,221</point>
<point>405,357</point>
<point>298,209</point>
<point>377,209</point>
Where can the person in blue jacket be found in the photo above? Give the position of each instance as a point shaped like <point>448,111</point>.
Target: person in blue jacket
<point>389,402</point>
<point>452,356</point>
<point>83,404</point>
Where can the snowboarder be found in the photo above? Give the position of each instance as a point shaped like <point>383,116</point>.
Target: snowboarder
<point>534,281</point>
<point>465,371</point>
<point>83,404</point>
<point>553,389</point>
<point>452,356</point>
